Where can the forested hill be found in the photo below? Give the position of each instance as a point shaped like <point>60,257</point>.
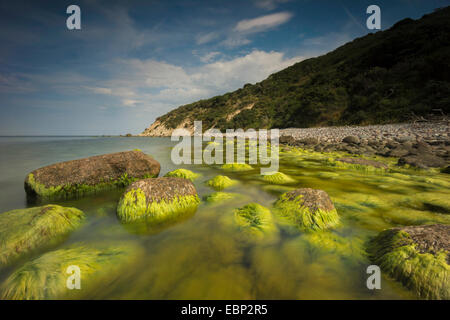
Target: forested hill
<point>383,77</point>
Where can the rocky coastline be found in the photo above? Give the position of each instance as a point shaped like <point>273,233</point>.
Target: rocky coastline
<point>421,145</point>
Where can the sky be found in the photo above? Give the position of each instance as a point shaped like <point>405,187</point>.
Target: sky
<point>133,61</point>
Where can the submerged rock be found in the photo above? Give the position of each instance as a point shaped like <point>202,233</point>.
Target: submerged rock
<point>78,177</point>
<point>182,173</point>
<point>157,200</point>
<point>308,209</point>
<point>24,230</point>
<point>46,277</point>
<point>417,256</point>
<point>221,182</point>
<point>255,222</point>
<point>237,167</point>
<point>277,178</point>
<point>363,162</point>
<point>220,197</point>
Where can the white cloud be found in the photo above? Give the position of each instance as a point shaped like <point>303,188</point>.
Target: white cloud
<point>205,38</point>
<point>209,57</point>
<point>263,23</point>
<point>130,102</point>
<point>160,86</point>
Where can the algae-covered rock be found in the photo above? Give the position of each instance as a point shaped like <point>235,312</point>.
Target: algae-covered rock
<point>308,209</point>
<point>417,256</point>
<point>79,177</point>
<point>157,200</point>
<point>363,162</point>
<point>182,173</point>
<point>24,230</point>
<point>255,222</point>
<point>331,243</point>
<point>46,277</point>
<point>221,182</point>
<point>277,178</point>
<point>236,167</point>
<point>220,197</point>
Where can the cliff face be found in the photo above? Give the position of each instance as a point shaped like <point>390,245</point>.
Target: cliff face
<point>385,77</point>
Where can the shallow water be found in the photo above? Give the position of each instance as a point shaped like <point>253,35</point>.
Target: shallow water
<point>205,257</point>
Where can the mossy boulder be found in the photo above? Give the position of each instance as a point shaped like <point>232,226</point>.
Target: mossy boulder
<point>158,200</point>
<point>237,167</point>
<point>417,256</point>
<point>183,173</point>
<point>255,222</point>
<point>308,209</point>
<point>46,276</point>
<point>277,178</point>
<point>221,182</point>
<point>79,177</point>
<point>25,230</point>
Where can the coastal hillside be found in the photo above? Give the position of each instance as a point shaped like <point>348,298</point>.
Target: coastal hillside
<point>384,77</point>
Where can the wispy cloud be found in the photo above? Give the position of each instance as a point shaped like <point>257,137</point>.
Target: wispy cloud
<point>210,56</point>
<point>207,37</point>
<point>263,23</point>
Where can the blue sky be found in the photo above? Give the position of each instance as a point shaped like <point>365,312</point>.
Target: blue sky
<point>133,61</point>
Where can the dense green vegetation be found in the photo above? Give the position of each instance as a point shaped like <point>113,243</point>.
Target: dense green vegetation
<point>382,77</point>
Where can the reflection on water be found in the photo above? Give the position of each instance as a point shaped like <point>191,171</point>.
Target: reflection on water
<point>204,256</point>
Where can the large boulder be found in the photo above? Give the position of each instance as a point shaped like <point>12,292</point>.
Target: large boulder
<point>25,230</point>
<point>417,256</point>
<point>308,209</point>
<point>351,140</point>
<point>158,201</point>
<point>78,177</point>
<point>422,161</point>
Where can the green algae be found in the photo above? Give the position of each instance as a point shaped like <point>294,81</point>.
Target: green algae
<point>221,182</point>
<point>426,274</point>
<point>237,167</point>
<point>78,190</point>
<point>436,201</point>
<point>46,276</point>
<point>331,243</point>
<point>183,173</point>
<point>353,166</point>
<point>25,230</point>
<point>133,206</point>
<point>255,221</point>
<point>277,178</point>
<point>302,217</point>
<point>218,197</point>
<point>277,189</point>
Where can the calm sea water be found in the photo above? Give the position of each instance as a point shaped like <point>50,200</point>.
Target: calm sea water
<point>202,257</point>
